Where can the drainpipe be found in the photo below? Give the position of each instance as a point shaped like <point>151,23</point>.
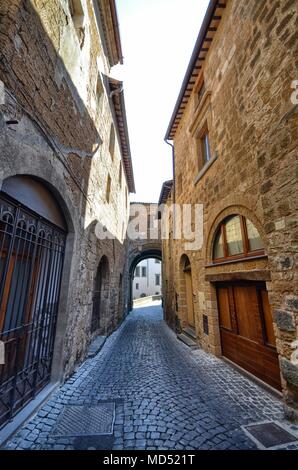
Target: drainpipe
<point>116,92</point>
<point>174,178</point>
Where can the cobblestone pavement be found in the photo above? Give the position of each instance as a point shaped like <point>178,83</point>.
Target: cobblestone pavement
<point>167,396</point>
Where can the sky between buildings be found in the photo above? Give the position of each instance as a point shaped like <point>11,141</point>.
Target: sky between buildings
<point>158,37</point>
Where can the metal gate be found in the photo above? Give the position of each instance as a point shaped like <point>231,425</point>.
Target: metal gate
<point>31,262</point>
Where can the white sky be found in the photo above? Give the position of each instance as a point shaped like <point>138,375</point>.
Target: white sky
<point>158,37</point>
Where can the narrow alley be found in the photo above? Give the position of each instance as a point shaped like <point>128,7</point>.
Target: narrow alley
<point>166,396</point>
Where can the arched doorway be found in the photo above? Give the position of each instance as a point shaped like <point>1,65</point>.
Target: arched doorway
<point>145,254</point>
<point>100,295</point>
<point>186,291</point>
<point>32,245</point>
<point>245,318</point>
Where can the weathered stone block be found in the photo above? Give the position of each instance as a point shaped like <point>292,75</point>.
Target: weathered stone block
<point>290,372</point>
<point>284,320</point>
<point>292,302</point>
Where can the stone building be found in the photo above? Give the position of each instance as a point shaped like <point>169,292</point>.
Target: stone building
<point>65,177</point>
<point>147,278</point>
<point>234,131</point>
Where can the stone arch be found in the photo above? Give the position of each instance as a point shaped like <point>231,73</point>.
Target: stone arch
<point>135,258</point>
<point>58,197</point>
<point>56,187</point>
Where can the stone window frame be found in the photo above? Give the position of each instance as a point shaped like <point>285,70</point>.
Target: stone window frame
<point>202,159</point>
<point>202,123</point>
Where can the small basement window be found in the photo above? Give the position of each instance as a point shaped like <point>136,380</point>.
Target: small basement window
<point>108,190</point>
<point>99,93</point>
<point>77,15</point>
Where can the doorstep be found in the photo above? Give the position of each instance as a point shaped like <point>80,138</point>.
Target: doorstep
<point>96,346</point>
<point>186,339</point>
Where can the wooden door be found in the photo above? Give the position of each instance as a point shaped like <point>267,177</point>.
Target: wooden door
<point>189,299</point>
<point>246,328</point>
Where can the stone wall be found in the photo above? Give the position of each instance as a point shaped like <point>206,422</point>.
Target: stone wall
<point>252,125</point>
<point>55,123</point>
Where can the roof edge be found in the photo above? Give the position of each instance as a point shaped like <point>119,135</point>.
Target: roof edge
<point>200,39</point>
<point>122,131</point>
<point>165,190</point>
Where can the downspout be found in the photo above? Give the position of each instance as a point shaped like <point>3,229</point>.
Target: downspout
<point>174,177</point>
<point>173,165</point>
<point>174,201</point>
<point>116,92</point>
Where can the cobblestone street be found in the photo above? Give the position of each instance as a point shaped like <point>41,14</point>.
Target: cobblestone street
<point>166,396</point>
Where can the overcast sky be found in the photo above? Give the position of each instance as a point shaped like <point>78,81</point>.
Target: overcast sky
<point>158,37</point>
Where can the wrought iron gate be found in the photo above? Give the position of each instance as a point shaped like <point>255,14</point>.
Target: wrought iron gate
<point>31,261</point>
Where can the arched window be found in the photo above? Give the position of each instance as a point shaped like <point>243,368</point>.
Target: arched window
<point>235,238</point>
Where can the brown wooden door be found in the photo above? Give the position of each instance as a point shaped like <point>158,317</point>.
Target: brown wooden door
<point>246,328</point>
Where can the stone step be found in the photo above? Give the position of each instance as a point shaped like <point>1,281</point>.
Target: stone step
<point>188,341</point>
<point>189,331</point>
<point>96,346</point>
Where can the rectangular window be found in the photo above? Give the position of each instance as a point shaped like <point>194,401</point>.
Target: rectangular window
<point>157,261</point>
<point>144,271</point>
<point>108,190</point>
<point>77,14</point>
<point>120,175</point>
<point>137,271</point>
<point>99,93</point>
<point>205,145</point>
<point>157,279</point>
<point>137,286</point>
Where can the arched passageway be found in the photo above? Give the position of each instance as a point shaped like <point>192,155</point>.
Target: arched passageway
<point>138,257</point>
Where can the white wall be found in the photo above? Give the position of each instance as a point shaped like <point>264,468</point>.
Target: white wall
<point>147,284</point>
